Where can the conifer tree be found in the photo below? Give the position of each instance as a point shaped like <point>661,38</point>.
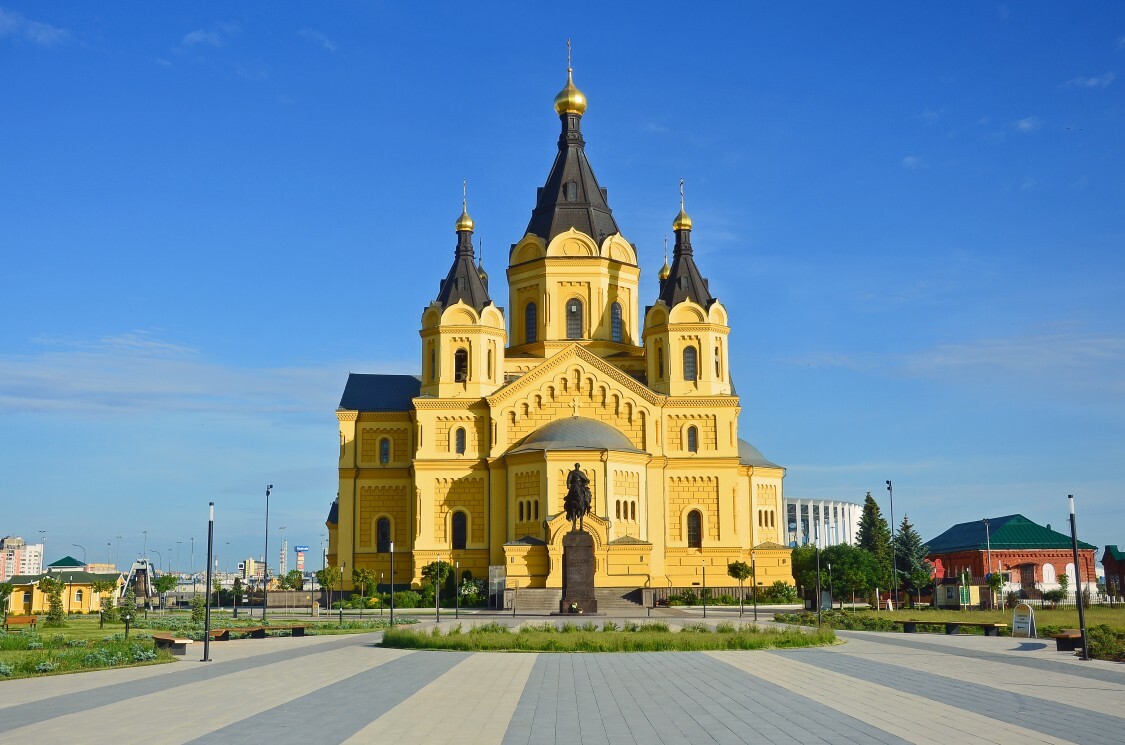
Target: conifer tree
<point>875,536</point>
<point>910,557</point>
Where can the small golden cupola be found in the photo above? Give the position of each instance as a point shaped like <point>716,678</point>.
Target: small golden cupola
<point>570,100</point>
<point>665,271</point>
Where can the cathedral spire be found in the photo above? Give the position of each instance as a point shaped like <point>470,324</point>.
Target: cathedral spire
<point>571,196</point>
<point>464,280</point>
<point>683,279</point>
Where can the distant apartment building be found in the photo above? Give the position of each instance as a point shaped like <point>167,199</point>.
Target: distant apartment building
<point>19,558</point>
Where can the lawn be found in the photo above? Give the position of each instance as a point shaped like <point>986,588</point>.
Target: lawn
<point>644,637</point>
<point>78,647</point>
<point>1095,616</point>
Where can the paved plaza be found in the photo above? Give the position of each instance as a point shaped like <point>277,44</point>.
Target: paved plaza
<point>874,688</point>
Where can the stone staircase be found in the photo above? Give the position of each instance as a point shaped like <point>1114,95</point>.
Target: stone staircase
<point>611,600</point>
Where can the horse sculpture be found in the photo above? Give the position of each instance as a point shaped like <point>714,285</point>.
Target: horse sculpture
<point>578,499</point>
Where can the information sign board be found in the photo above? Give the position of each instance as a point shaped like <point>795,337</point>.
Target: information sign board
<point>1023,622</point>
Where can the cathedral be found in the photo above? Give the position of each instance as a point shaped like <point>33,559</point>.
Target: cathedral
<point>467,462</point>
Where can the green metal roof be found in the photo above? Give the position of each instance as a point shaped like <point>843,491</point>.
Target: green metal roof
<point>76,577</point>
<point>1008,532</point>
<point>66,562</point>
<point>1113,552</point>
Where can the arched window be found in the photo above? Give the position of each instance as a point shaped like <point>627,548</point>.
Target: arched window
<point>530,319</point>
<point>690,363</point>
<point>459,440</point>
<point>615,322</point>
<point>78,595</point>
<point>693,439</point>
<point>385,451</point>
<point>521,511</point>
<point>695,529</point>
<point>619,509</point>
<point>659,362</point>
<point>383,535</point>
<point>718,366</point>
<point>460,530</point>
<point>536,503</point>
<point>491,366</point>
<point>461,365</point>
<point>433,363</point>
<point>574,319</point>
<point>1048,574</point>
<point>633,511</point>
<point>773,523</point>
<point>570,191</point>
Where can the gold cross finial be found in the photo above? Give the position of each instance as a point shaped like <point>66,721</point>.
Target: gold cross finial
<point>681,194</point>
<point>574,405</point>
<point>465,195</point>
<point>568,68</point>
<point>665,249</point>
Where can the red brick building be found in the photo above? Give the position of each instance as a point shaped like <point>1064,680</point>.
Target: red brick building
<point>1033,556</point>
<point>1113,560</point>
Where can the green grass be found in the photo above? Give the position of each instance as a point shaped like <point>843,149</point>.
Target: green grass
<point>645,637</point>
<point>25,654</point>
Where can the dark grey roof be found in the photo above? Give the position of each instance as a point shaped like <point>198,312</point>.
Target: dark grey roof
<point>748,455</point>
<point>575,433</point>
<point>684,281</point>
<point>585,207</point>
<point>380,392</point>
<point>463,282</point>
<point>526,540</point>
<point>334,512</point>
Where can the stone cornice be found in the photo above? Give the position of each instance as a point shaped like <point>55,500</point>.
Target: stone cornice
<point>475,405</point>
<point>686,402</point>
<point>346,416</point>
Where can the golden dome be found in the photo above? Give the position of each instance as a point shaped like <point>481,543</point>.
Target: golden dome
<point>570,100</point>
<point>481,272</point>
<point>464,222</point>
<point>665,271</point>
<point>682,221</point>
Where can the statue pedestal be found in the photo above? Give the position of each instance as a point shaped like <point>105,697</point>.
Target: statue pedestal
<point>578,573</point>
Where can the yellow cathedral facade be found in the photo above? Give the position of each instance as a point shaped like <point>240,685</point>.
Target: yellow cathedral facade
<point>467,462</point>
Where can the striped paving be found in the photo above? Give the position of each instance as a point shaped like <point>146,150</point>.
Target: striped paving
<point>873,688</point>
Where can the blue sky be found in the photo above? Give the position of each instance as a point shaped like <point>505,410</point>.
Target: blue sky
<point>210,214</point>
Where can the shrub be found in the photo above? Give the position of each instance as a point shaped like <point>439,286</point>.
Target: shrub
<point>46,666</point>
<point>725,627</point>
<point>409,599</point>
<point>779,592</point>
<point>610,626</point>
<point>5,670</point>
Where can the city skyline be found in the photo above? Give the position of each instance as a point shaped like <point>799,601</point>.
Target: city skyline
<point>213,215</point>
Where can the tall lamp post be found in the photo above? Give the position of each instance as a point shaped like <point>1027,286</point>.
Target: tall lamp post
<point>705,588</point>
<point>816,541</point>
<point>43,543</point>
<point>84,564</point>
<point>456,589</point>
<point>754,577</point>
<point>988,574</point>
<point>193,565</point>
<point>117,561</point>
<point>1078,580</point>
<point>894,559</point>
<point>207,611</point>
<point>266,557</point>
<point>392,583</point>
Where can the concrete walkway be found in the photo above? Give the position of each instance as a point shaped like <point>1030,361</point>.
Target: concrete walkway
<point>874,688</point>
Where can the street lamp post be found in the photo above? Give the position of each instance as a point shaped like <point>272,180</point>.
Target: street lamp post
<point>457,589</point>
<point>831,589</point>
<point>117,562</point>
<point>83,553</point>
<point>1078,580</point>
<point>704,588</point>
<point>392,583</point>
<point>988,574</point>
<point>144,549</point>
<point>754,577</point>
<point>380,604</point>
<point>894,559</point>
<point>207,612</point>
<point>343,568</point>
<point>266,557</point>
<point>193,564</point>
<point>43,543</point>
<point>816,541</point>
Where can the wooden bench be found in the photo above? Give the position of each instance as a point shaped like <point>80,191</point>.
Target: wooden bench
<point>10,621</point>
<point>1068,640</point>
<point>256,632</point>
<point>294,629</point>
<point>168,641</point>
<point>954,627</point>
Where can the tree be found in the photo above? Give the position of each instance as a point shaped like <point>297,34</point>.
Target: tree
<point>53,589</point>
<point>164,584</point>
<point>198,608</point>
<point>875,536</point>
<point>995,582</point>
<point>854,570</point>
<point>804,565</point>
<point>294,580</point>
<point>103,587</point>
<point>363,578</point>
<point>128,604</point>
<point>217,588</point>
<point>1064,584</point>
<point>910,559</point>
<point>328,577</point>
<point>6,590</point>
<point>740,571</point>
<point>436,572</point>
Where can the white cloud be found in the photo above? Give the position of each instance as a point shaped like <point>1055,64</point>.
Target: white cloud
<point>1029,124</point>
<point>912,162</point>
<point>138,371</point>
<point>16,26</point>
<point>1099,82</point>
<point>252,72</point>
<point>318,38</point>
<point>929,116</point>
<point>216,37</point>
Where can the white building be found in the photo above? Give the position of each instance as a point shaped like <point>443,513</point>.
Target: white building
<point>827,521</point>
<point>17,557</point>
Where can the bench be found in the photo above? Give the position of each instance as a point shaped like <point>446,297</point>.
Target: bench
<point>1067,640</point>
<point>954,627</point>
<point>10,621</point>
<point>167,641</point>
<point>256,632</point>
